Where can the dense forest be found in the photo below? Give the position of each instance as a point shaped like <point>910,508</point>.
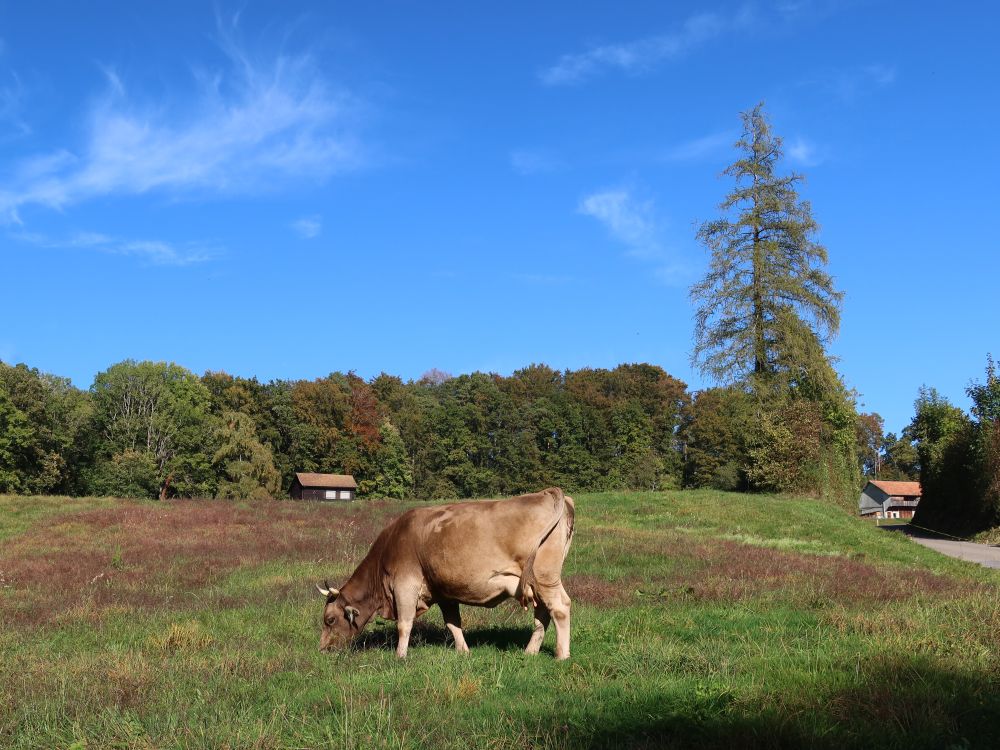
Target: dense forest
<point>151,429</point>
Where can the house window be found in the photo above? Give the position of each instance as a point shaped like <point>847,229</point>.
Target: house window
<point>331,494</point>
<point>345,494</point>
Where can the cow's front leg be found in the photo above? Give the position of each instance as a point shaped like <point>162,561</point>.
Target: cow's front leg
<point>406,611</point>
<point>403,628</point>
<point>538,634</point>
<point>453,619</point>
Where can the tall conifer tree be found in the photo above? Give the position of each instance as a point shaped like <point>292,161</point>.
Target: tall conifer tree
<point>767,304</point>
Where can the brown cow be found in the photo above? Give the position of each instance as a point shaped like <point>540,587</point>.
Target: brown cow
<point>477,553</point>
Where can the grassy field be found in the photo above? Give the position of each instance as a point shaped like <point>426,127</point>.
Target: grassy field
<point>990,536</point>
<point>700,619</point>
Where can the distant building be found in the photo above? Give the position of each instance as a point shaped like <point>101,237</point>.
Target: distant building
<point>889,499</point>
<point>311,486</point>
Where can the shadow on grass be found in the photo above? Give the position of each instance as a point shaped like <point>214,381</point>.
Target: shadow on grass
<point>502,638</point>
<point>898,702</point>
<point>910,530</point>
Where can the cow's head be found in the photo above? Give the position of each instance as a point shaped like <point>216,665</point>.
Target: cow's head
<point>341,621</point>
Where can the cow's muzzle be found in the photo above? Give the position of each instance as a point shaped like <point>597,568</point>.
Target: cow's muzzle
<point>329,641</point>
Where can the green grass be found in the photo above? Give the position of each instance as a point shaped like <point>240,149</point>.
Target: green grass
<point>18,514</point>
<point>989,536</point>
<point>700,619</point>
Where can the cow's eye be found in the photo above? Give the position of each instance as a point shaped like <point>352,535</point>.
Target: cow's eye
<point>329,620</point>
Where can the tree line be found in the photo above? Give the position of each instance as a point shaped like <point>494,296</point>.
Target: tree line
<point>958,455</point>
<point>955,455</point>
<point>155,429</point>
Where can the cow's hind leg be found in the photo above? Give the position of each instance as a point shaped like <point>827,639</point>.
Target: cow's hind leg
<point>453,619</point>
<point>538,634</point>
<point>558,603</point>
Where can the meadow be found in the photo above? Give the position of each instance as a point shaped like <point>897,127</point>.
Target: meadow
<point>700,619</point>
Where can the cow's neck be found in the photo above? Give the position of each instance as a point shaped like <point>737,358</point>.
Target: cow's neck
<point>364,590</point>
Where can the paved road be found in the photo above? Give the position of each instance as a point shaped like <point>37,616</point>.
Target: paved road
<point>983,554</point>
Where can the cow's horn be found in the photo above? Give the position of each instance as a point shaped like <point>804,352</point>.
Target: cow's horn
<point>327,591</point>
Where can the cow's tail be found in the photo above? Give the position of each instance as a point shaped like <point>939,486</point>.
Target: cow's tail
<point>528,584</point>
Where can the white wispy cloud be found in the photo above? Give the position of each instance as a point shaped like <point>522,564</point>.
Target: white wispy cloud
<point>308,227</point>
<point>805,152</point>
<point>114,80</point>
<point>259,122</point>
<point>628,220</point>
<point>11,96</point>
<point>156,252</point>
<point>643,54</point>
<point>633,223</point>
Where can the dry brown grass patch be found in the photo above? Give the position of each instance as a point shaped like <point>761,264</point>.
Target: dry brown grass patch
<point>140,555</point>
<point>726,570</point>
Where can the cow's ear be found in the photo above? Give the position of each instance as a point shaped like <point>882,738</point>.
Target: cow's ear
<point>352,614</point>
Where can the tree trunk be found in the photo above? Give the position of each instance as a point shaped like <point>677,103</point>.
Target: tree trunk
<point>759,344</point>
<point>165,487</point>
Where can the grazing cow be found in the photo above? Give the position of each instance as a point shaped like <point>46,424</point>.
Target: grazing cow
<point>477,553</point>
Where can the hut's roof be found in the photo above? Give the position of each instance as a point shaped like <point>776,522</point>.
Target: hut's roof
<point>898,488</point>
<point>333,481</point>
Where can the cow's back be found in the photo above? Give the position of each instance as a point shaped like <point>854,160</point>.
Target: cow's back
<point>474,552</point>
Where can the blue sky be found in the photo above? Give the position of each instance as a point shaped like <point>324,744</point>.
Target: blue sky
<point>288,189</point>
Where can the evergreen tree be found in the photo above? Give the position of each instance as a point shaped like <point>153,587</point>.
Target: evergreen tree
<point>713,433</point>
<point>393,476</point>
<point>901,462</point>
<point>766,304</point>
<point>765,311</point>
<point>246,466</point>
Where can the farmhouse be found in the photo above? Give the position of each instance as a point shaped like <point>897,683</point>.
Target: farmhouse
<point>311,486</point>
<point>889,499</point>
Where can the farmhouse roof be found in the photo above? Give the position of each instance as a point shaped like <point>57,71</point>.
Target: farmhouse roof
<point>336,481</point>
<point>898,488</point>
